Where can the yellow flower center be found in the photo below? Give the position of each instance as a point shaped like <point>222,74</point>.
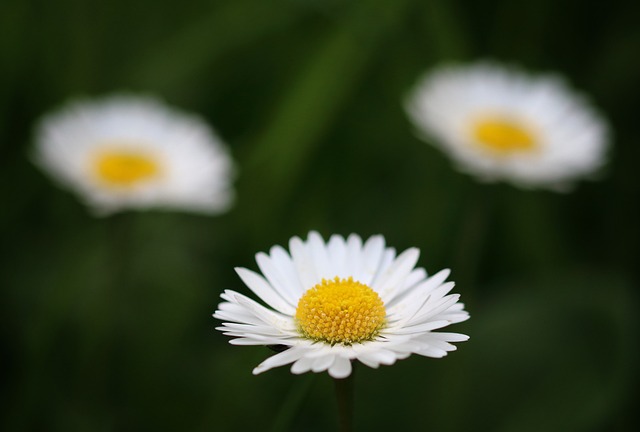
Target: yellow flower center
<point>340,311</point>
<point>125,168</point>
<point>503,136</point>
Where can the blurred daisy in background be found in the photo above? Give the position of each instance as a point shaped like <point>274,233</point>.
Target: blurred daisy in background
<point>500,123</point>
<point>125,152</point>
<point>331,303</point>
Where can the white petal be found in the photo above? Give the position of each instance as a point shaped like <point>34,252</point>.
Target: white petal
<point>341,368</point>
<point>454,317</point>
<point>302,365</point>
<point>387,260</point>
<point>432,352</point>
<point>276,279</point>
<point>421,305</point>
<point>304,265</point>
<point>319,256</point>
<point>263,330</point>
<point>430,311</point>
<point>412,293</point>
<point>243,317</point>
<point>368,360</point>
<point>261,341</point>
<point>354,257</point>
<point>261,287</point>
<point>416,276</point>
<point>338,255</point>
<point>421,328</point>
<point>449,337</point>
<point>405,349</point>
<point>322,363</point>
<point>444,346</point>
<point>283,261</point>
<point>266,315</point>
<point>372,254</point>
<point>388,283</point>
<point>384,356</point>
<point>289,356</point>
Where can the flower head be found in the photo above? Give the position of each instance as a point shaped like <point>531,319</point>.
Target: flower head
<point>135,152</point>
<point>334,302</point>
<point>501,124</point>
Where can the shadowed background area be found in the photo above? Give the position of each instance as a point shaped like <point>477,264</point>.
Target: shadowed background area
<point>106,323</point>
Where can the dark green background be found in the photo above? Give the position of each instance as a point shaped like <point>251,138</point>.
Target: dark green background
<point>106,323</point>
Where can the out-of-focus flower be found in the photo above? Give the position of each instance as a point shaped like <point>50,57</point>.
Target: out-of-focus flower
<point>502,124</point>
<point>341,301</point>
<point>135,152</point>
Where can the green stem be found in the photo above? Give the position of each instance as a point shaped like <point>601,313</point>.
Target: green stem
<point>101,332</point>
<point>344,396</point>
<point>448,35</point>
<point>472,239</point>
<point>119,231</point>
<point>292,403</point>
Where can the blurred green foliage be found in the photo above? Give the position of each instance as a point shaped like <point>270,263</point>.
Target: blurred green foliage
<point>106,322</point>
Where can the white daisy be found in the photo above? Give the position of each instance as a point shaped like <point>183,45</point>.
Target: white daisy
<point>502,124</point>
<point>135,152</point>
<point>344,300</point>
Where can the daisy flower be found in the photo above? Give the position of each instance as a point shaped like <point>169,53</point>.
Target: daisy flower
<point>135,152</point>
<point>332,303</point>
<point>502,124</point>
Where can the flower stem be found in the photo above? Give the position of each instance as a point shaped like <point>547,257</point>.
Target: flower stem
<point>95,359</point>
<point>344,396</point>
<point>472,239</point>
<point>447,32</point>
<point>292,403</point>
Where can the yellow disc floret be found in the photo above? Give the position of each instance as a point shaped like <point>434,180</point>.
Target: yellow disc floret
<point>340,311</point>
<point>124,168</point>
<point>503,136</point>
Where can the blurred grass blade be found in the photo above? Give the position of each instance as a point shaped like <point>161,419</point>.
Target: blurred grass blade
<point>314,100</point>
<point>191,51</point>
<point>447,33</point>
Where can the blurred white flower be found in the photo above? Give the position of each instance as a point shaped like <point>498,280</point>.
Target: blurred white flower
<point>135,152</point>
<point>499,123</point>
<point>341,301</point>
